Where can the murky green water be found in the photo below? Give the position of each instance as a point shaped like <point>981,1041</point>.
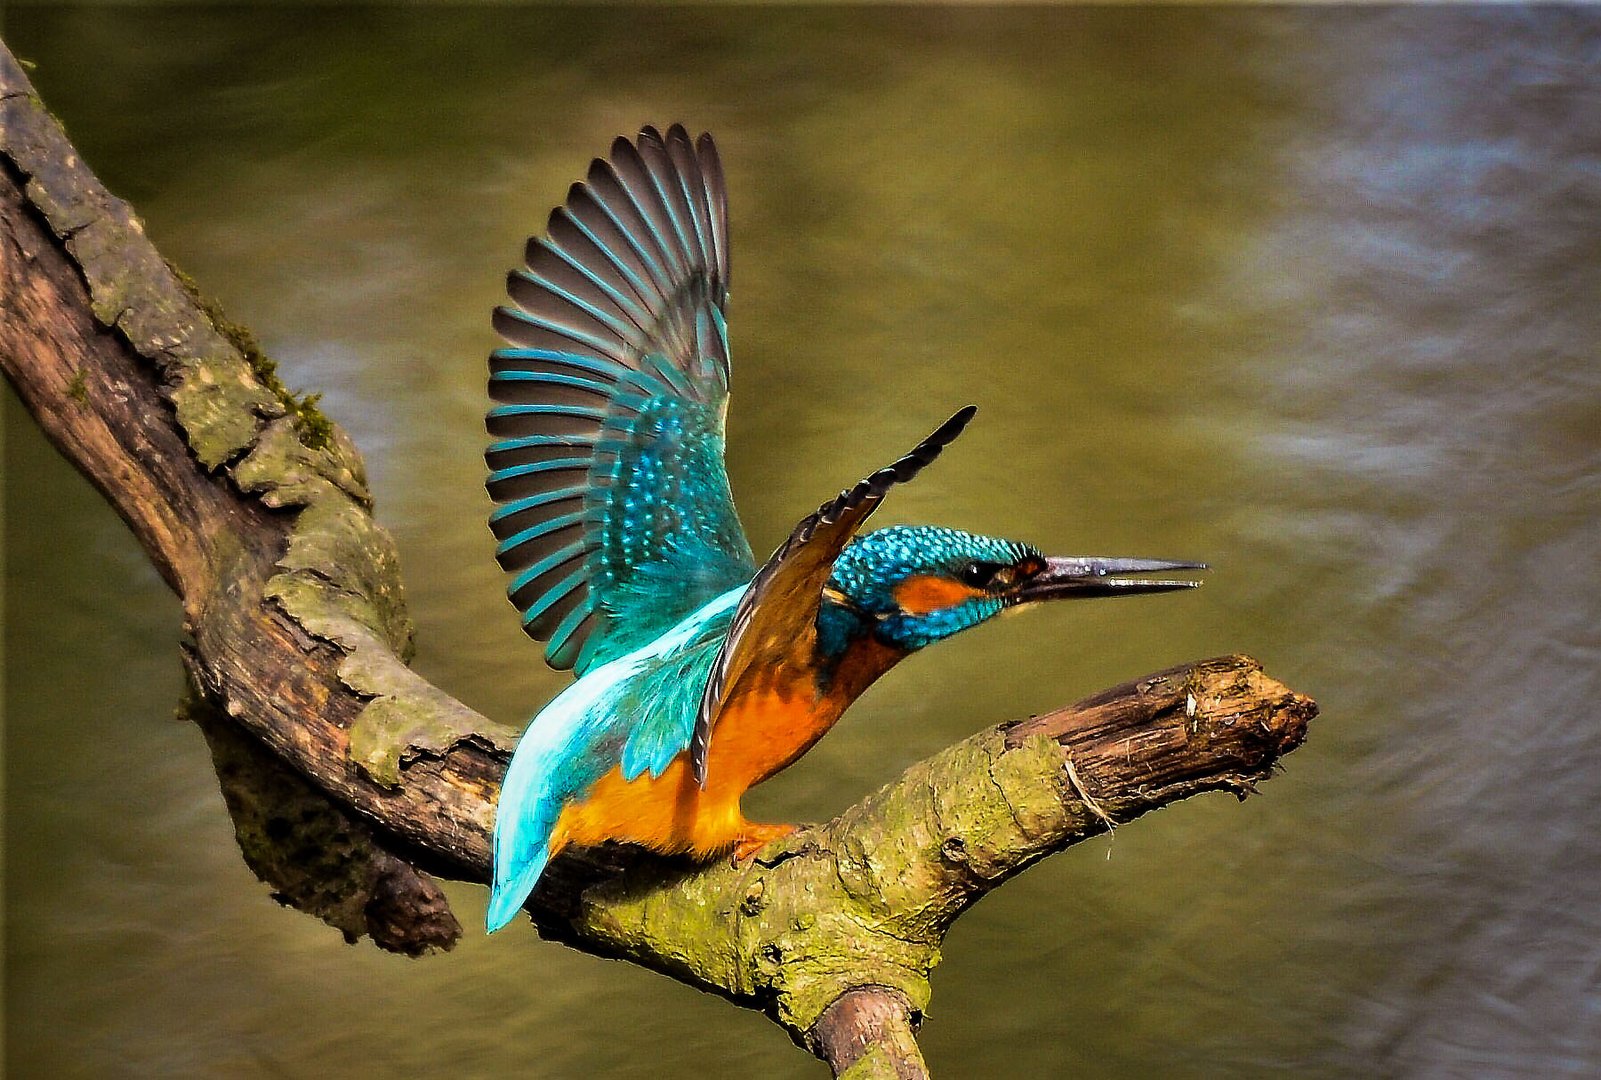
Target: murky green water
<point>1313,295</point>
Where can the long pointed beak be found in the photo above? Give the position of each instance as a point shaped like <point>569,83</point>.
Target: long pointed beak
<point>1081,576</point>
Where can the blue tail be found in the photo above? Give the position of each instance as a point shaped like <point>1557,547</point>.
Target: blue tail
<point>531,797</point>
<point>507,896</point>
<point>554,761</point>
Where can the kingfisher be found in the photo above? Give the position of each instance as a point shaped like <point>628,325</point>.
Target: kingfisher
<point>700,673</point>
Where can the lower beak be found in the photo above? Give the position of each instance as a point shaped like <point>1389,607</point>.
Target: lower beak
<point>1066,578</point>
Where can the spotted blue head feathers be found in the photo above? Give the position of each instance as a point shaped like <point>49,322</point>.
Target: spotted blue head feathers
<point>913,585</point>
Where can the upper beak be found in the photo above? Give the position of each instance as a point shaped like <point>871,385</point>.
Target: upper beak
<point>1064,578</point>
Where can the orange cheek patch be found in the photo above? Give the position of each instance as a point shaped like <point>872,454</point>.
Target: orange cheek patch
<point>924,594</point>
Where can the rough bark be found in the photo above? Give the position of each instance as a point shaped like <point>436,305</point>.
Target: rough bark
<point>256,511</point>
<point>317,856</point>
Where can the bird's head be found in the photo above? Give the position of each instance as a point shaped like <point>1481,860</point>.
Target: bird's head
<point>910,586</point>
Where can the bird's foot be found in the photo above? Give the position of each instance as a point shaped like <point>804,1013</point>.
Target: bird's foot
<point>754,837</point>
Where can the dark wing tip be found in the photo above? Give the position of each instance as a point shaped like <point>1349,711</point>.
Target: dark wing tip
<point>929,449</point>
<point>946,433</point>
<point>874,487</point>
<point>649,136</point>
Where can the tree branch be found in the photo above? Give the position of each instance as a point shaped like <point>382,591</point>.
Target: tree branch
<point>255,510</point>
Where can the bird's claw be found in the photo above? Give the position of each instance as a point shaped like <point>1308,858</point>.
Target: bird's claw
<point>754,838</point>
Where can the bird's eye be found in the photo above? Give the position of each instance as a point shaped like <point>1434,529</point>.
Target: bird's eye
<point>978,574</point>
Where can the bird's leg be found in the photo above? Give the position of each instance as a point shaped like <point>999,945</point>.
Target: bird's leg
<point>753,837</point>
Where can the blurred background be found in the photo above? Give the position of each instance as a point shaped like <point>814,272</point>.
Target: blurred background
<point>1313,295</point>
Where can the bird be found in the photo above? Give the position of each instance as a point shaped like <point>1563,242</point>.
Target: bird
<point>700,673</point>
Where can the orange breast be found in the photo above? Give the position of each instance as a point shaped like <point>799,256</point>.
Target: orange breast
<point>770,720</point>
<point>669,813</point>
<point>756,735</point>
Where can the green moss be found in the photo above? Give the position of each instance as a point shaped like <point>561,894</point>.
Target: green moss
<point>314,429</point>
<point>76,390</point>
<point>875,1064</point>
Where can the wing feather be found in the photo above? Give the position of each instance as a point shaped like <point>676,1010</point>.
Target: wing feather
<point>614,514</point>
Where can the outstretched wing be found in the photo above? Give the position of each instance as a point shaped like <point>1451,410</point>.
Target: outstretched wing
<point>780,607</point>
<point>615,515</point>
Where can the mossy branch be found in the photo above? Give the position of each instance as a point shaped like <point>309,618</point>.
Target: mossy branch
<point>255,509</point>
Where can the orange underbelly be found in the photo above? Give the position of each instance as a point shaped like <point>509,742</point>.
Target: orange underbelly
<point>757,734</point>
